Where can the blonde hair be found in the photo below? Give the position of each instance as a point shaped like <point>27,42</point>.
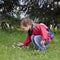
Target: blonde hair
<point>25,21</point>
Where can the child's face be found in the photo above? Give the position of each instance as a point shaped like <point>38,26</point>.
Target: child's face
<point>26,28</point>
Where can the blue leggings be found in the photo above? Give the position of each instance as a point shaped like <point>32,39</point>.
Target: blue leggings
<point>36,39</point>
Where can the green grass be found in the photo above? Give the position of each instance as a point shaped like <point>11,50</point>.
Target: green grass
<point>7,52</point>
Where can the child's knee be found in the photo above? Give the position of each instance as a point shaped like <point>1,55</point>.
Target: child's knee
<point>37,37</point>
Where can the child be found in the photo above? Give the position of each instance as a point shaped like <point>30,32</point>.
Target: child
<point>37,33</point>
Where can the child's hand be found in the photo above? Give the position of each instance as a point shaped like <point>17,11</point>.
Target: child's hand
<point>20,44</point>
<point>42,42</point>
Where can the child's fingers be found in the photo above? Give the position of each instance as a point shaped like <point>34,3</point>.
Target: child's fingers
<point>19,44</point>
<point>43,42</point>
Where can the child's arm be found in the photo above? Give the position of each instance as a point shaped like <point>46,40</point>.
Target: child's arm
<point>44,34</point>
<point>27,41</point>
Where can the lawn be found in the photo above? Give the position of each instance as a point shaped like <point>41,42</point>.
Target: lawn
<point>7,52</point>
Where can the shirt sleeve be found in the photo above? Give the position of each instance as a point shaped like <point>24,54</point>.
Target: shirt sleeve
<point>43,33</point>
<point>27,41</point>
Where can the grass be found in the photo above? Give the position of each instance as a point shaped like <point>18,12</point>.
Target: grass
<point>7,52</point>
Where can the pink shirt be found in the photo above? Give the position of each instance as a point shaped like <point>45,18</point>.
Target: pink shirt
<point>39,30</point>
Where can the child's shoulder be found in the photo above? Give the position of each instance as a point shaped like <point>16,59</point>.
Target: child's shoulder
<point>39,24</point>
